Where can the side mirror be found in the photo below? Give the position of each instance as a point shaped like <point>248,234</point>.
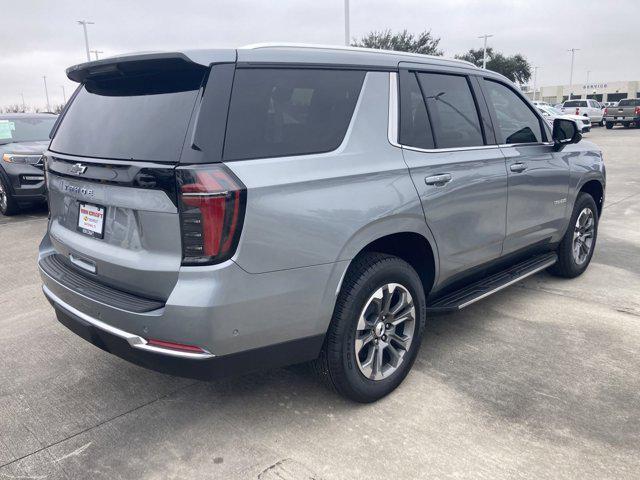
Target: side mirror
<point>565,132</point>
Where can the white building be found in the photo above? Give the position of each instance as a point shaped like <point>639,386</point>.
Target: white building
<point>602,92</point>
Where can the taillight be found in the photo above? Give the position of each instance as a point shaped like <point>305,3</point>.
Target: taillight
<point>577,111</point>
<point>606,110</point>
<point>637,111</point>
<point>212,202</point>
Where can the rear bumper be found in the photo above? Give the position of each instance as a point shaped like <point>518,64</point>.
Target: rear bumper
<point>132,348</point>
<point>26,182</point>
<point>244,321</point>
<point>614,119</point>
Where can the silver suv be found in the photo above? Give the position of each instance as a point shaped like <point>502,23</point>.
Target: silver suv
<point>219,211</point>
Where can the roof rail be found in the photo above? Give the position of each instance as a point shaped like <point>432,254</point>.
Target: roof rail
<point>254,46</point>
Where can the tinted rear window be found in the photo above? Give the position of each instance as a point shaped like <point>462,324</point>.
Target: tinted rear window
<point>575,103</point>
<point>25,129</point>
<point>280,112</point>
<point>631,102</point>
<point>140,118</point>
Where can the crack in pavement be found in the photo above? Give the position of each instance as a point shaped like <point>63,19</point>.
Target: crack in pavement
<point>104,422</point>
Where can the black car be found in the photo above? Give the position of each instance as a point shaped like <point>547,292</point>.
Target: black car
<point>23,139</point>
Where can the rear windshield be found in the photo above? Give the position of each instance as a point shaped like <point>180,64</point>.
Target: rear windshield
<point>630,102</point>
<point>575,103</point>
<point>280,112</point>
<point>144,117</point>
<point>34,129</point>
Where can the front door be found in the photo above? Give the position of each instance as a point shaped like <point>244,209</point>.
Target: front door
<point>538,176</point>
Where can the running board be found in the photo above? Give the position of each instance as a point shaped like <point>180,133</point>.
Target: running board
<point>494,283</point>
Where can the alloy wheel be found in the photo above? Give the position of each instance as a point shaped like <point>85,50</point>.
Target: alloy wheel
<point>583,235</point>
<point>3,198</point>
<point>385,331</point>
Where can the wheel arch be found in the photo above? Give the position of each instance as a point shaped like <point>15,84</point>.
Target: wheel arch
<point>595,188</point>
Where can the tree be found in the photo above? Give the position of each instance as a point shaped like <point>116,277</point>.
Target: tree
<point>14,108</point>
<point>404,41</point>
<point>58,108</point>
<point>514,67</point>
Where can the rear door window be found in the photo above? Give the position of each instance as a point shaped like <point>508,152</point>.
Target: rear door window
<point>143,117</point>
<point>516,122</point>
<point>452,110</point>
<point>278,112</point>
<point>415,130</point>
<point>629,103</point>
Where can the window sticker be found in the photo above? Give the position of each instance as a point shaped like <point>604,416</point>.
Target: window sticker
<point>6,127</point>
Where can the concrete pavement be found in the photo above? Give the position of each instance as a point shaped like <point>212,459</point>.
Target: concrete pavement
<point>540,381</point>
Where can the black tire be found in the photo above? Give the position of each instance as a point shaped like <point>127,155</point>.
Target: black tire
<point>609,125</point>
<point>567,266</point>
<point>601,123</point>
<point>626,125</point>
<point>337,365</point>
<point>8,205</point>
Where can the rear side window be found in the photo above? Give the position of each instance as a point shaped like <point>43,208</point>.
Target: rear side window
<point>575,103</point>
<point>632,102</point>
<point>452,110</point>
<point>415,130</point>
<point>516,121</point>
<point>280,112</point>
<point>142,117</point>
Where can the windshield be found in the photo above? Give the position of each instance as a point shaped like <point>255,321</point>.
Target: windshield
<point>25,129</point>
<point>142,117</point>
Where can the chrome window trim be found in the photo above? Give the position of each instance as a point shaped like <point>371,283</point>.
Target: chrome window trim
<point>392,128</point>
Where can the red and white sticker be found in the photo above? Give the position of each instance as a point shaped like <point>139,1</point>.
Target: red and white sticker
<point>91,219</point>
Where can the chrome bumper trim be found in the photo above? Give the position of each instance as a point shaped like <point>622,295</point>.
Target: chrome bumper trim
<point>134,340</point>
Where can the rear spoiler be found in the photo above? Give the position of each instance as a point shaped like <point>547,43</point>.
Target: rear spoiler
<point>148,62</point>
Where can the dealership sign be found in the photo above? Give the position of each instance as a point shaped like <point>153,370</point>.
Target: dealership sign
<point>593,86</point>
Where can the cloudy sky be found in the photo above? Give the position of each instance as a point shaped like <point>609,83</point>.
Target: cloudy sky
<point>40,37</point>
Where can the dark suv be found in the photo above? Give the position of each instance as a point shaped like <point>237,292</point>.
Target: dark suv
<point>218,211</point>
<point>23,139</point>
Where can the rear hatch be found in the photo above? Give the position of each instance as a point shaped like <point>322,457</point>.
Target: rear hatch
<point>111,173</point>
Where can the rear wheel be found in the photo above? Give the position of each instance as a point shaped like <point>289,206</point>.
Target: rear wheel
<point>8,205</point>
<point>376,330</point>
<point>579,241</point>
<point>609,125</point>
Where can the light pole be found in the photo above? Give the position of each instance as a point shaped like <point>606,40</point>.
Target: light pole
<point>347,36</point>
<point>64,95</point>
<point>96,52</point>
<point>586,87</point>
<point>535,80</point>
<point>24,105</point>
<point>84,24</point>
<point>573,54</point>
<point>484,50</point>
<point>46,92</point>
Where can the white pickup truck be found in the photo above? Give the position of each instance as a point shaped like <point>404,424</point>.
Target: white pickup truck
<point>585,108</point>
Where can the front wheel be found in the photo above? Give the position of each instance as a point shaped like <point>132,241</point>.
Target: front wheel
<point>376,330</point>
<point>8,205</point>
<point>579,241</point>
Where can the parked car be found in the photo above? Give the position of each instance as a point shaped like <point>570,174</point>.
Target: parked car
<point>23,139</point>
<point>550,114</point>
<point>219,211</point>
<point>625,113</point>
<point>586,108</point>
<point>610,104</point>
<point>538,103</point>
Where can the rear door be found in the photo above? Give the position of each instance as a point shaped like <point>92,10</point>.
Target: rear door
<point>538,176</point>
<point>455,165</point>
<point>111,176</point>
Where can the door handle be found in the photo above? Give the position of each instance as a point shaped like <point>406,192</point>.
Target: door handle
<point>438,180</point>
<point>518,167</point>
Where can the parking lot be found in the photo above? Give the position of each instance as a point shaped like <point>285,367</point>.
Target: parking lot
<point>540,381</point>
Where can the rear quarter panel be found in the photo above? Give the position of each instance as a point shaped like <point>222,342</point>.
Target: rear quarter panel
<point>318,209</point>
